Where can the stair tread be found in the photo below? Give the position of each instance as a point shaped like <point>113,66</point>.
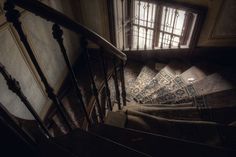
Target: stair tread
<point>117,119</point>
<point>199,131</point>
<point>141,81</point>
<point>156,145</point>
<point>163,77</point>
<point>87,144</point>
<point>193,74</point>
<point>211,84</point>
<point>217,113</point>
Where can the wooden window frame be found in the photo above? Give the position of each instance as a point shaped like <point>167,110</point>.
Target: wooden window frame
<point>199,10</point>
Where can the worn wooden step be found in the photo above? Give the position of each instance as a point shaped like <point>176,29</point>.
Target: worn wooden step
<point>158,145</point>
<point>201,131</point>
<point>87,144</point>
<point>215,114</point>
<point>189,104</point>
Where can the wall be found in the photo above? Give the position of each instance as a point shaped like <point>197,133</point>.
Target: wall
<point>95,16</point>
<point>92,13</point>
<point>17,62</point>
<point>219,28</point>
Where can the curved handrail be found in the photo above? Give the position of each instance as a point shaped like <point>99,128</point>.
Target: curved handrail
<point>54,16</point>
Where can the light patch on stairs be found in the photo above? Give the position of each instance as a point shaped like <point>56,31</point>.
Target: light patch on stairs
<point>210,84</point>
<point>165,91</point>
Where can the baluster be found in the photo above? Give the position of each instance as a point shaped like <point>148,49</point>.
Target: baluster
<point>115,77</point>
<point>14,86</point>
<point>57,34</point>
<point>93,85</point>
<point>12,16</point>
<point>104,68</point>
<point>122,78</point>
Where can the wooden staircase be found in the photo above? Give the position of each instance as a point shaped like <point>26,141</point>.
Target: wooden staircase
<point>175,109</point>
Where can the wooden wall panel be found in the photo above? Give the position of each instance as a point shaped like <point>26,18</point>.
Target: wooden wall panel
<point>47,52</point>
<point>13,58</point>
<point>95,16</point>
<point>219,29</point>
<point>45,47</point>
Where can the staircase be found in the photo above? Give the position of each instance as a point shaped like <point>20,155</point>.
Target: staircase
<point>154,109</point>
<point>180,101</point>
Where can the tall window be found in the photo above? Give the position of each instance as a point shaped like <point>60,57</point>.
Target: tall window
<point>152,25</point>
<point>143,26</point>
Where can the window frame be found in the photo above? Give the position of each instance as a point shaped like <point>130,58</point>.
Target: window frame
<point>199,10</point>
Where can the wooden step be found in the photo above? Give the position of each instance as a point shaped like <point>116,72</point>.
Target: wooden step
<point>199,131</point>
<point>189,104</point>
<point>87,144</point>
<point>215,114</point>
<point>158,145</point>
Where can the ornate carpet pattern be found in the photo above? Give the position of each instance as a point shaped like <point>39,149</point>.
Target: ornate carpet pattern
<point>212,83</point>
<point>163,78</point>
<point>142,80</point>
<point>193,74</point>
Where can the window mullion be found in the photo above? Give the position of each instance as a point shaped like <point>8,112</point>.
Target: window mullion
<point>145,44</point>
<point>139,4</point>
<point>164,27</point>
<point>174,24</point>
<point>157,25</point>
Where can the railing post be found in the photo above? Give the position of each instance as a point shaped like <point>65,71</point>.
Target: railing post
<point>122,78</point>
<point>14,86</point>
<point>12,16</point>
<point>93,85</point>
<point>116,82</point>
<point>57,34</point>
<point>104,69</point>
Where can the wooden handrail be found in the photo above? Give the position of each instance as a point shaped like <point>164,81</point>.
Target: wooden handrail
<point>54,16</point>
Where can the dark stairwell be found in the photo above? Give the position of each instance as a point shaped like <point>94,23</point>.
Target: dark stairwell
<point>161,100</point>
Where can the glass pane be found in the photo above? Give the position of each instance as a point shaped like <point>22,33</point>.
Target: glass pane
<point>151,15</point>
<point>175,41</point>
<point>149,39</point>
<point>172,23</point>
<point>179,22</point>
<point>142,34</point>
<point>145,14</point>
<point>135,37</point>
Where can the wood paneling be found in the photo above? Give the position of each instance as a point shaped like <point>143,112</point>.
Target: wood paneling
<point>13,58</point>
<point>219,26</point>
<point>47,52</point>
<point>225,26</point>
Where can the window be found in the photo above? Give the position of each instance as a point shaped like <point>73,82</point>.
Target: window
<point>143,25</point>
<point>147,24</point>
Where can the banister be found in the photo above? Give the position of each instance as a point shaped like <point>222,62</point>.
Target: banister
<point>54,16</point>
